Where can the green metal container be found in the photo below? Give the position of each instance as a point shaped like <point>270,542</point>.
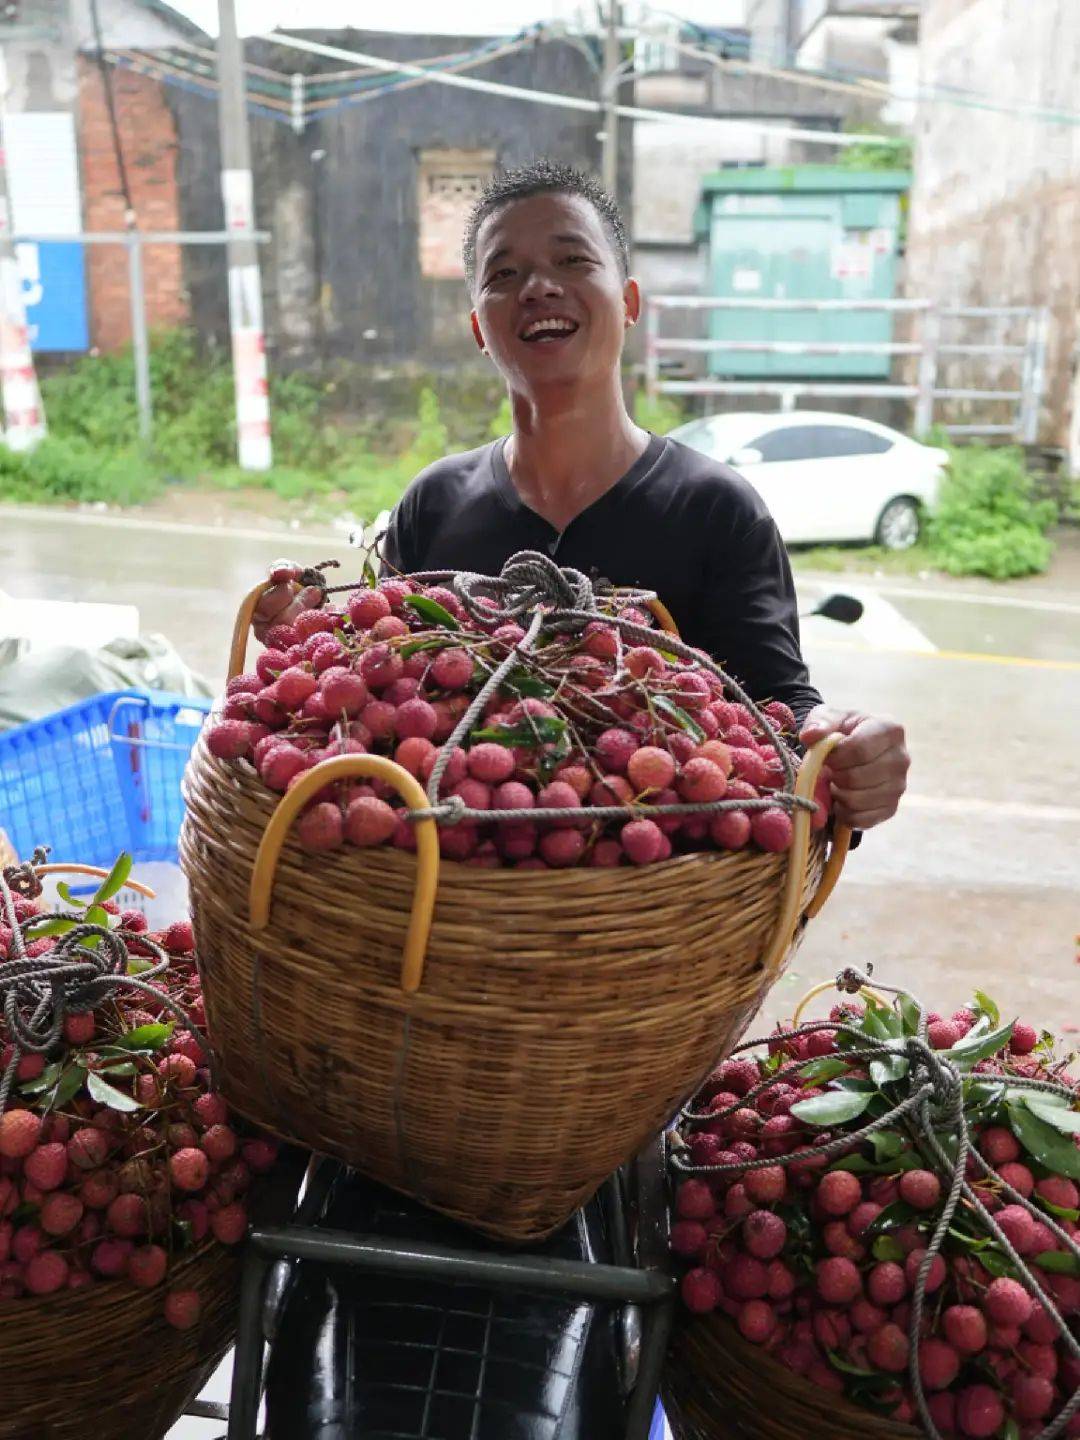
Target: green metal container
<point>803,232</point>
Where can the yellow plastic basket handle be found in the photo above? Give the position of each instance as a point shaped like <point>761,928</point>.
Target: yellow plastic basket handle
<point>348,767</point>
<point>788,918</point>
<point>242,627</point>
<point>60,867</point>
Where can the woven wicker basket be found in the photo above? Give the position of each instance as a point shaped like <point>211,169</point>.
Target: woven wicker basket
<point>543,1026</point>
<point>717,1386</point>
<point>103,1361</point>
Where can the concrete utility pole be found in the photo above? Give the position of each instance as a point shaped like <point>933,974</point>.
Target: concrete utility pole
<point>611,98</point>
<point>245,292</point>
<point>24,415</point>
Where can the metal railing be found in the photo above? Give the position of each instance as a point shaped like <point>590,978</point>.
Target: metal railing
<point>924,391</point>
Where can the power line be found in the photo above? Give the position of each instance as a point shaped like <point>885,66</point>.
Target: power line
<point>566,102</point>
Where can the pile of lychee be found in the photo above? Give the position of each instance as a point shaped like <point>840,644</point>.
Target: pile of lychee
<point>816,1261</point>
<point>581,721</point>
<point>116,1156</point>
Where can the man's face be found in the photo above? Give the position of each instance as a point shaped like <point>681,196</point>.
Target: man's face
<point>551,305</point>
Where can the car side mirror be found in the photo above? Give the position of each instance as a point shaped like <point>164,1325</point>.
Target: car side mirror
<point>747,456</point>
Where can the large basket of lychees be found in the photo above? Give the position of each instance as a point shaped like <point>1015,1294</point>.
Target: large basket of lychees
<point>122,1184</point>
<point>592,848</point>
<point>879,1218</point>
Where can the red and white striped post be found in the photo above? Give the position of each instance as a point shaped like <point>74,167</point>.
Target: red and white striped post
<point>245,292</point>
<point>24,414</point>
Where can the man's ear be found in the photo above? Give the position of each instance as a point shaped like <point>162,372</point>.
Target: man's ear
<point>632,301</point>
<point>477,332</point>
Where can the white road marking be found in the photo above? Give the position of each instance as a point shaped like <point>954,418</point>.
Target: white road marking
<point>168,527</point>
<point>955,597</point>
<point>881,627</point>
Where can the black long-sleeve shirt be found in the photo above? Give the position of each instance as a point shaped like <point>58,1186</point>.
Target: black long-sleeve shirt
<point>677,523</point>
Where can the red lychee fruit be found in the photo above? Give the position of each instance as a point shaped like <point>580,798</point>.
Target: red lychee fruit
<point>838,1192</point>
<point>229,739</point>
<point>19,1133</point>
<point>756,1321</point>
<point>921,1189</point>
<point>700,1291</point>
<point>965,1329</point>
<point>1007,1302</point>
<point>838,1280</point>
<point>189,1169</point>
<point>979,1411</point>
<point>183,1308</point>
<point>320,827</point>
<point>771,829</point>
<point>369,821</point>
<point>888,1349</point>
<point>764,1234</point>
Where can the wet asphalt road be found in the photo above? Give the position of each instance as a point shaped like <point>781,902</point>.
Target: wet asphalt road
<point>976,883</point>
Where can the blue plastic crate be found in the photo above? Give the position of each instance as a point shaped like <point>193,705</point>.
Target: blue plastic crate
<point>100,777</point>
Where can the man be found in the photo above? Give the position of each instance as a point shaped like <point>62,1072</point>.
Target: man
<point>552,300</point>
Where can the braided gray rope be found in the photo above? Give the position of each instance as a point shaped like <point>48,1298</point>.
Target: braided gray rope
<point>38,993</point>
<point>558,599</point>
<point>934,1080</point>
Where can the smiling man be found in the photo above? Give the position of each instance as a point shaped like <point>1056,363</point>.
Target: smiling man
<point>552,300</point>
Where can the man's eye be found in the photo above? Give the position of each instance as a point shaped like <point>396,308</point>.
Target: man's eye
<point>578,260</point>
<point>499,275</point>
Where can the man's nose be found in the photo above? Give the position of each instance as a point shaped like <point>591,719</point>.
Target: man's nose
<point>540,284</point>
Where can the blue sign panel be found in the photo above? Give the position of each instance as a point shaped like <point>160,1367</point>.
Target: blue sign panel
<point>54,293</point>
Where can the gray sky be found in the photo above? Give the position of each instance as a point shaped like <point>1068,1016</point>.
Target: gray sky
<point>470,17</point>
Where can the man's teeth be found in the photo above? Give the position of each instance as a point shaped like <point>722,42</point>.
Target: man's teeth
<point>544,327</point>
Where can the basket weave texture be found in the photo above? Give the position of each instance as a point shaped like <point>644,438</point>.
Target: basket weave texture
<point>717,1386</point>
<point>562,1018</point>
<point>103,1362</point>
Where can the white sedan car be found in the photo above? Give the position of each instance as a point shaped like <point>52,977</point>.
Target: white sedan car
<point>825,476</point>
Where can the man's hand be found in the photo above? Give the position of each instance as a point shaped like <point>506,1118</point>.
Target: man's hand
<point>868,769</point>
<point>285,599</point>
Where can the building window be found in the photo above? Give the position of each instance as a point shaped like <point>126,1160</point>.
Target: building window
<point>450,184</point>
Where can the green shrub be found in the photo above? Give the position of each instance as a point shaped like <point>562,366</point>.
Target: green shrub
<point>987,521</point>
<point>71,468</point>
<point>657,413</point>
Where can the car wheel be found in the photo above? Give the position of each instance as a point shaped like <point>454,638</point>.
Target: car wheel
<point>899,524</point>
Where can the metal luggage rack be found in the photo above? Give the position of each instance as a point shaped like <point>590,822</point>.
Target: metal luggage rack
<point>635,1205</point>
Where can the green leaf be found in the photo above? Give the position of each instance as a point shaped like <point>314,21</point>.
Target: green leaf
<point>106,1094</point>
<point>881,1022</point>
<point>1011,1431</point>
<point>45,1081</point>
<point>891,1218</point>
<point>521,682</point>
<point>855,1165</point>
<point>835,1107</point>
<point>1060,1212</point>
<point>827,1067</point>
<point>138,966</point>
<point>115,881</point>
<point>887,1247</point>
<point>888,1144</point>
<point>69,1085</point>
<point>431,611</point>
<point>682,719</point>
<point>980,1046</point>
<point>145,1037</point>
<point>837,1361</point>
<point>429,642</point>
<point>49,927</point>
<point>987,1007</point>
<point>368,575</point>
<point>65,894</point>
<point>856,1084</point>
<point>1044,1142</point>
<point>118,1067</point>
<point>1058,1262</point>
<point>910,1014</point>
<point>541,730</point>
<point>997,1263</point>
<point>887,1068</point>
<point>1059,1116</point>
<point>97,916</point>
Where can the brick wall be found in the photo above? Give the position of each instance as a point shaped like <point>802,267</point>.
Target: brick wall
<point>149,143</point>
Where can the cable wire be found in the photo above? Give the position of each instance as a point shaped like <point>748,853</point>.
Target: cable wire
<point>110,105</point>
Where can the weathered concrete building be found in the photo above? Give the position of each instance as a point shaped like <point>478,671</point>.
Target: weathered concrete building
<point>995,210</point>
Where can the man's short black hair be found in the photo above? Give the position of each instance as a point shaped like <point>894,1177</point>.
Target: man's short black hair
<point>540,178</point>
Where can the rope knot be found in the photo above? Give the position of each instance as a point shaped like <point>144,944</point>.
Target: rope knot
<point>851,980</point>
